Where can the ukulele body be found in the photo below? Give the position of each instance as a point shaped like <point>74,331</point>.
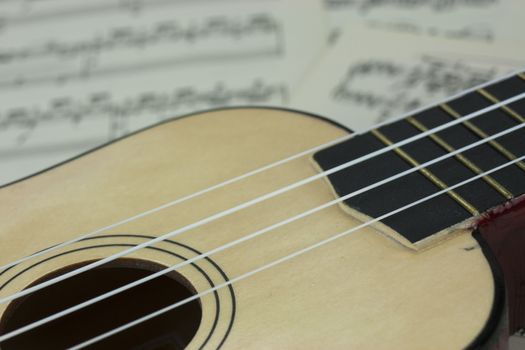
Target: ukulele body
<point>362,291</point>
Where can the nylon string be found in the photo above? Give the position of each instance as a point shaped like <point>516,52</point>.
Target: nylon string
<point>252,235</point>
<point>282,260</point>
<point>240,177</point>
<point>254,201</point>
<point>178,201</point>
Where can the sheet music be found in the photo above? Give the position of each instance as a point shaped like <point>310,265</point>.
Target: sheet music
<point>478,20</point>
<point>371,74</point>
<point>76,74</point>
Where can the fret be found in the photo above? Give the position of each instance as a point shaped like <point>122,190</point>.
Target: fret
<point>499,147</point>
<point>484,156</point>
<point>480,194</point>
<point>419,227</point>
<point>506,108</point>
<point>521,75</point>
<point>507,88</point>
<point>427,173</point>
<point>434,216</point>
<point>462,158</point>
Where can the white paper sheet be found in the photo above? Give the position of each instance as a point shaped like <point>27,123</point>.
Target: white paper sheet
<point>372,74</point>
<point>476,20</point>
<point>76,74</point>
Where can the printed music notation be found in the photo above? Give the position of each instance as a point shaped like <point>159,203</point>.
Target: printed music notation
<point>430,76</point>
<point>23,12</point>
<point>118,112</point>
<point>392,73</point>
<point>161,44</point>
<point>476,31</point>
<point>143,38</point>
<point>83,73</point>
<point>435,5</point>
<point>454,19</point>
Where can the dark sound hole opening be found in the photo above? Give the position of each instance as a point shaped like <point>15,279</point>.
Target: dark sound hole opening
<point>172,330</point>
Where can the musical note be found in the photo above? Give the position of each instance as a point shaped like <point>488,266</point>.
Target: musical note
<point>126,49</point>
<point>430,76</point>
<point>173,32</point>
<point>455,19</point>
<point>16,13</point>
<point>83,73</point>
<point>392,73</point>
<point>435,5</point>
<point>74,110</point>
<point>477,31</point>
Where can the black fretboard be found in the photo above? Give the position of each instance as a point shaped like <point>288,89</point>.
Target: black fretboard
<point>455,207</point>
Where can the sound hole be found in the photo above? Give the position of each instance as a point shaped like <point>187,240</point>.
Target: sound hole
<point>172,330</point>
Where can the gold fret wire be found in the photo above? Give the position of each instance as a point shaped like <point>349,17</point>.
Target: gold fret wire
<point>463,159</point>
<point>507,109</point>
<point>521,75</point>
<point>429,175</point>
<point>498,146</point>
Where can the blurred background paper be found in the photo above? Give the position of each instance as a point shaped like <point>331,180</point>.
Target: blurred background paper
<point>475,20</point>
<point>75,74</point>
<point>371,74</point>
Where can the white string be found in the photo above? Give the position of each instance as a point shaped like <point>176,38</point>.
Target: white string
<point>251,236</point>
<point>283,259</point>
<point>444,100</point>
<point>179,200</point>
<point>257,200</point>
<point>256,171</point>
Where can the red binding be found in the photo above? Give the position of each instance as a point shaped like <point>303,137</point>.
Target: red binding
<point>504,231</point>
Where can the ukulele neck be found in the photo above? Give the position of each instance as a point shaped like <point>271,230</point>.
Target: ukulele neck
<point>493,203</point>
<point>423,224</point>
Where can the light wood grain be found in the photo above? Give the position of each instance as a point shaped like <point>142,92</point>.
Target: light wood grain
<point>364,291</point>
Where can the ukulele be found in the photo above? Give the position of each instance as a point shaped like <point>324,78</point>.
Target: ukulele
<point>268,228</point>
